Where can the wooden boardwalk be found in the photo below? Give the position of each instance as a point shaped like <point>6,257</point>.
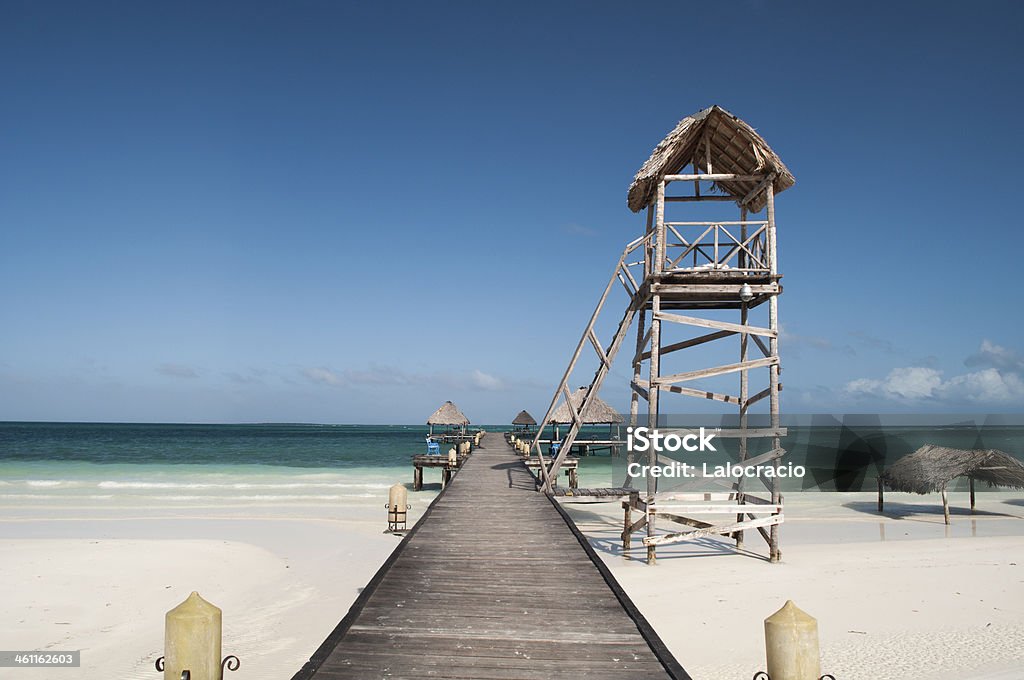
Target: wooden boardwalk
<point>493,582</point>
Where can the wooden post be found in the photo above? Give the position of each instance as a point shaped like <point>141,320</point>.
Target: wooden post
<point>655,366</point>
<point>881,494</point>
<point>773,324</point>
<point>192,640</point>
<point>744,394</point>
<point>627,522</point>
<point>574,479</point>
<point>971,481</point>
<point>417,478</point>
<point>945,505</point>
<point>791,644</point>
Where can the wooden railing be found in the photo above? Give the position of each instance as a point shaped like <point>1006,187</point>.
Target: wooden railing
<point>736,246</point>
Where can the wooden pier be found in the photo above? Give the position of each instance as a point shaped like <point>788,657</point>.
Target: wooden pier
<point>493,582</point>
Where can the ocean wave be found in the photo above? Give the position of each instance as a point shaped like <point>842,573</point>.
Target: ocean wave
<point>264,498</point>
<point>54,496</point>
<point>110,484</point>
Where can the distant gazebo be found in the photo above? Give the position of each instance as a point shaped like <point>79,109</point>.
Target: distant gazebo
<point>598,412</point>
<point>523,422</point>
<point>931,468</point>
<point>449,417</point>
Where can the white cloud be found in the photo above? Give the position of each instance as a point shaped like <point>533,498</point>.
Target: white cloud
<point>485,381</point>
<point>988,386</point>
<point>913,383</point>
<point>1000,382</point>
<point>323,376</point>
<point>389,376</point>
<point>993,356</point>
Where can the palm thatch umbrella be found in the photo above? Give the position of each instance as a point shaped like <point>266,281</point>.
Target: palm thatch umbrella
<point>448,416</point>
<point>730,145</point>
<point>931,468</point>
<point>524,421</point>
<point>598,411</point>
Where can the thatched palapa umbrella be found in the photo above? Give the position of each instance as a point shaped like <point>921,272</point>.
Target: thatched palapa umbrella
<point>598,413</point>
<point>448,416</point>
<point>730,144</point>
<point>523,422</point>
<point>931,468</point>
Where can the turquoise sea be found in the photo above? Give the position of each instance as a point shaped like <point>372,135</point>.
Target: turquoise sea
<point>126,465</point>
<point>123,465</point>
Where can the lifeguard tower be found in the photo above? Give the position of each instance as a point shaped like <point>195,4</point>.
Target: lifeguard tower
<point>695,285</point>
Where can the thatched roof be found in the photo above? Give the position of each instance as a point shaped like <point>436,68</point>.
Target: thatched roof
<point>734,149</point>
<point>524,418</point>
<point>448,414</point>
<point>598,412</point>
<point>931,468</point>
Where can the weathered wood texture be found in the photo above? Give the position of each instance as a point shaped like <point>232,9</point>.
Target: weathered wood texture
<point>493,582</point>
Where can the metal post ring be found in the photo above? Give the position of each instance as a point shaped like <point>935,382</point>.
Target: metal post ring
<point>159,665</point>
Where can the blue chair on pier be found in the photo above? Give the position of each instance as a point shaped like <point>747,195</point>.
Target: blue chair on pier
<point>433,448</point>
<point>555,446</point>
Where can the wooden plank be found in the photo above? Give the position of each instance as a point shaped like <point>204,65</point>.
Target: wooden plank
<point>700,394</point>
<point>665,539</point>
<point>717,508</point>
<point>714,323</point>
<point>693,342</point>
<point>719,177</point>
<point>695,199</point>
<point>461,602</point>
<point>717,370</point>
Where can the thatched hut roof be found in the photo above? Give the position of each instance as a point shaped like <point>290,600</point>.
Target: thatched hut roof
<point>931,468</point>
<point>448,414</point>
<point>599,412</point>
<point>734,148</point>
<point>524,418</point>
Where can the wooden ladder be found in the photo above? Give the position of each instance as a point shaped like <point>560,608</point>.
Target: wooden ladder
<point>637,298</point>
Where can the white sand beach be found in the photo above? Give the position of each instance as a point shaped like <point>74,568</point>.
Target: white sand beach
<point>897,597</point>
<point>92,580</point>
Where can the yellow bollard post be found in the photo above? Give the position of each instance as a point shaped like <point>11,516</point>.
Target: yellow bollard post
<point>192,635</point>
<point>791,644</point>
<point>398,507</point>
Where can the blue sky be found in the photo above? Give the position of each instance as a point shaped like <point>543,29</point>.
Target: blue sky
<point>344,212</point>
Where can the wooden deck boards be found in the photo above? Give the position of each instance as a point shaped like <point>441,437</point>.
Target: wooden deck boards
<point>494,582</point>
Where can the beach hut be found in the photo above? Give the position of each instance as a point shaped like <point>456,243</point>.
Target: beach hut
<point>449,417</point>
<point>931,468</point>
<point>523,422</point>
<point>597,412</point>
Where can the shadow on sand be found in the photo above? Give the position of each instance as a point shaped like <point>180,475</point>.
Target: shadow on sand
<point>612,545</point>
